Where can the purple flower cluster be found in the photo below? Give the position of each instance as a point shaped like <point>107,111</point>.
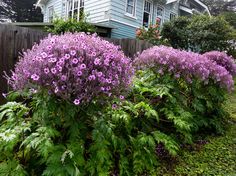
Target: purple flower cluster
<point>223,60</point>
<point>76,67</point>
<point>184,65</point>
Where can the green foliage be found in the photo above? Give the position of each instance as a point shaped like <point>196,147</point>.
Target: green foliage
<point>52,137</point>
<point>230,17</point>
<point>152,34</point>
<point>199,33</point>
<point>71,25</point>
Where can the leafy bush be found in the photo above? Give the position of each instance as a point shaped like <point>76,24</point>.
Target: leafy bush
<point>61,26</point>
<point>75,67</point>
<point>152,34</point>
<point>199,34</point>
<point>199,86</point>
<point>175,95</point>
<point>224,60</point>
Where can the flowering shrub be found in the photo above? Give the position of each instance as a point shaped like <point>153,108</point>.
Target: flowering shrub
<point>152,34</point>
<point>185,65</point>
<point>75,67</point>
<point>224,60</point>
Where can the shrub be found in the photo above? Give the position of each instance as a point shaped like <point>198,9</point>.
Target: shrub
<point>199,34</point>
<point>185,65</point>
<point>152,34</point>
<point>75,67</point>
<point>199,87</point>
<point>175,95</point>
<point>224,60</point>
<point>61,26</point>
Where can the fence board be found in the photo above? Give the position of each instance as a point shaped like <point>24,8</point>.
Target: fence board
<point>14,39</point>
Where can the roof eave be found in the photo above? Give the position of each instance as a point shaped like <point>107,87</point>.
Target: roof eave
<point>204,6</point>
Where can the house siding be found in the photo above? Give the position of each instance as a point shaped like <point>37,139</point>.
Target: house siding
<point>126,26</point>
<point>57,7</point>
<point>97,10</point>
<point>113,12</point>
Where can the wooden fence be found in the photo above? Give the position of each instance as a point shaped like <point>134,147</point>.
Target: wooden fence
<point>14,39</point>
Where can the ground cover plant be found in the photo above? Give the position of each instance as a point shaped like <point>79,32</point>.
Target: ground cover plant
<point>78,108</point>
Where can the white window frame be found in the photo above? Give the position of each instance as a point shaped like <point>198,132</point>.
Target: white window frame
<point>70,6</point>
<point>134,5</point>
<point>150,13</point>
<point>50,14</point>
<point>174,14</point>
<point>163,13</point>
<point>81,6</point>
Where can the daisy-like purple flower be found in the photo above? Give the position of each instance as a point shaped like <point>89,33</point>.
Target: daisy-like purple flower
<point>46,70</point>
<point>35,77</point>
<point>91,77</point>
<point>72,52</point>
<point>114,106</point>
<point>97,61</point>
<point>82,66</point>
<point>79,73</point>
<point>99,74</point>
<point>44,55</point>
<point>122,97</point>
<point>76,101</point>
<point>75,61</point>
<point>67,56</point>
<point>63,77</point>
<point>54,70</point>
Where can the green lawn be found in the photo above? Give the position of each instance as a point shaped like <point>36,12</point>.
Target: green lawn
<point>216,158</point>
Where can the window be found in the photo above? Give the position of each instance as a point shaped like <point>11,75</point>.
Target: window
<point>81,10</point>
<point>75,9</point>
<point>50,14</point>
<point>130,7</point>
<point>172,16</point>
<point>147,13</point>
<point>160,14</point>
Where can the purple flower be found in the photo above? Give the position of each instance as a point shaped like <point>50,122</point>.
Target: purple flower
<point>75,61</point>
<point>63,77</point>
<point>188,65</point>
<point>46,70</point>
<point>35,77</point>
<point>97,61</point>
<point>67,56</point>
<point>99,74</point>
<point>83,66</point>
<point>92,77</point>
<point>114,106</point>
<point>44,55</point>
<point>71,49</point>
<point>72,52</point>
<point>122,97</point>
<point>76,101</point>
<point>53,70</point>
<point>79,73</point>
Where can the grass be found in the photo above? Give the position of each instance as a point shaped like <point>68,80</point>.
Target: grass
<point>216,158</point>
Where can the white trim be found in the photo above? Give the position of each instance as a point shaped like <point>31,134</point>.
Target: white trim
<point>151,12</point>
<point>101,21</point>
<point>130,16</point>
<point>48,10</point>
<point>118,21</point>
<point>171,12</point>
<point>127,24</point>
<point>203,5</point>
<point>41,2</point>
<point>163,13</point>
<point>186,9</point>
<point>170,1</point>
<point>135,9</point>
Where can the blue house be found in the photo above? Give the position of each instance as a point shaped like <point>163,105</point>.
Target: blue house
<point>125,16</point>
